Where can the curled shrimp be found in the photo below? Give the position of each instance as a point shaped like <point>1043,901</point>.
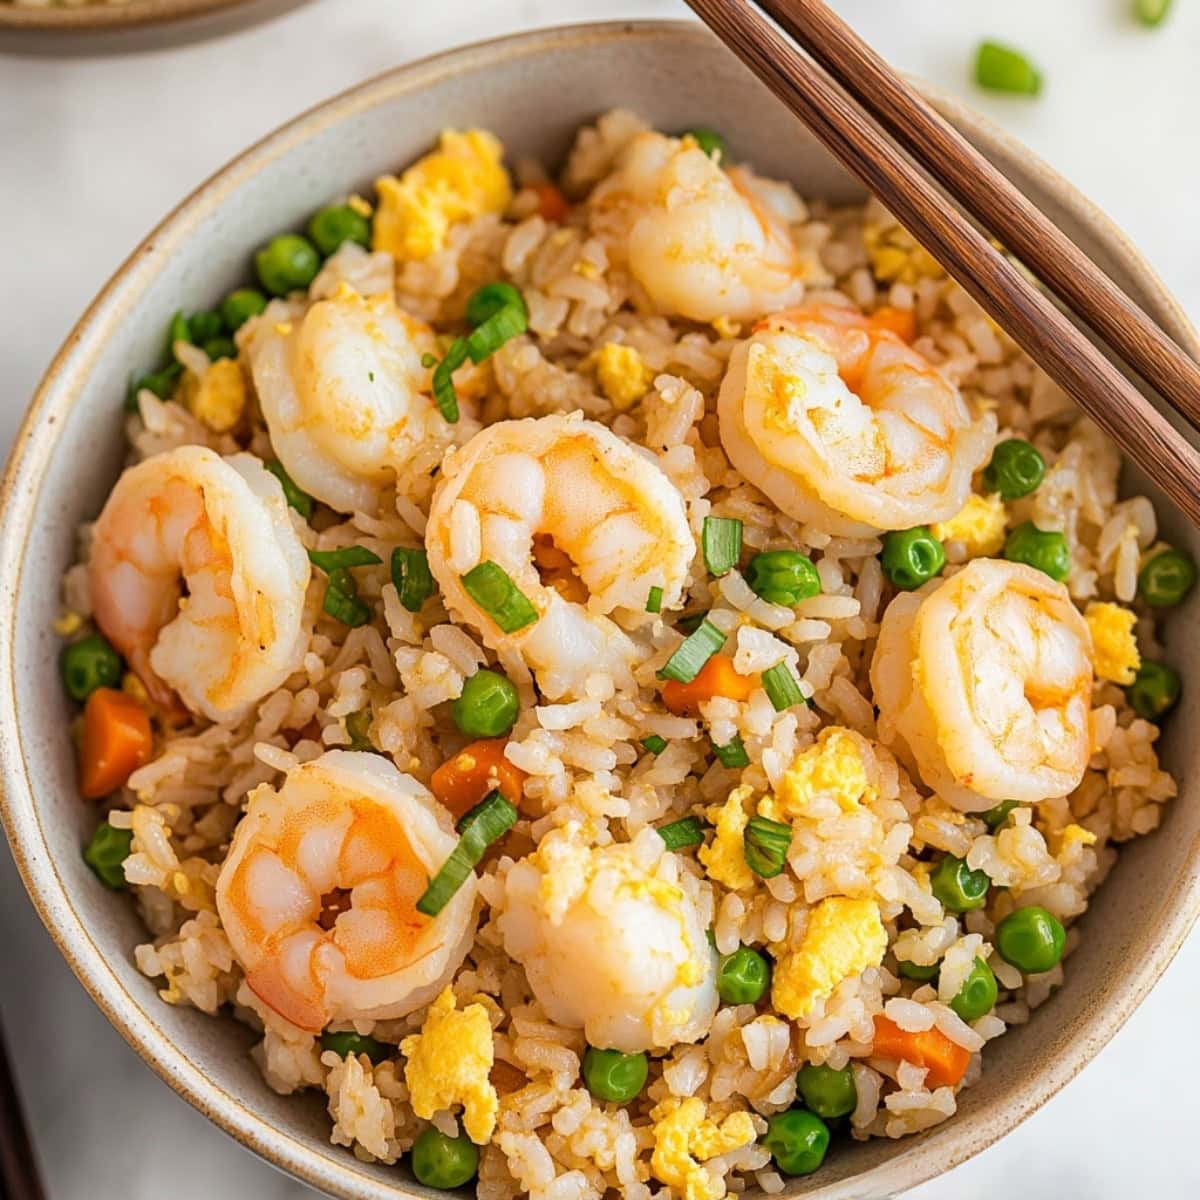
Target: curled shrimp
<point>701,241</point>
<point>985,679</point>
<point>563,498</point>
<point>219,527</point>
<point>842,423</point>
<point>345,397</point>
<point>318,893</point>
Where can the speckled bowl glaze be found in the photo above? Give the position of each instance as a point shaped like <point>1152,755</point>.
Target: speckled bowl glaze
<point>533,90</point>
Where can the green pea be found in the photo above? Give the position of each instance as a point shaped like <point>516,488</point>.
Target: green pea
<point>338,223</point>
<point>709,140</point>
<point>179,330</point>
<point>1031,939</point>
<point>1045,549</point>
<point>161,383</point>
<point>1167,578</point>
<point>286,263</point>
<point>205,325</point>
<point>743,976</point>
<point>611,1075</point>
<point>488,706</point>
<point>1016,469</point>
<point>348,1042</point>
<point>917,972</point>
<point>995,816</point>
<point>783,577</point>
<point>827,1092</point>
<point>238,307</point>
<point>88,664</point>
<point>797,1140</point>
<point>1154,690</point>
<point>957,887</point>
<point>977,996</point>
<point>912,557</point>
<point>219,347</point>
<point>106,854</point>
<point>444,1162</point>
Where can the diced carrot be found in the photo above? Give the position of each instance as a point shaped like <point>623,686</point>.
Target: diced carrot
<point>945,1062</point>
<point>462,782</point>
<point>116,741</point>
<point>552,204</point>
<point>716,678</point>
<point>900,321</point>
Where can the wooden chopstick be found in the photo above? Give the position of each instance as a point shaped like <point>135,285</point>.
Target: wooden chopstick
<point>19,1178</point>
<point>1022,310</point>
<point>991,199</point>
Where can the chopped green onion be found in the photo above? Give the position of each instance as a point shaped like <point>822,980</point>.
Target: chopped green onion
<point>1002,69</point>
<point>654,600</point>
<point>721,541</point>
<point>709,140</point>
<point>690,622</point>
<point>501,327</point>
<point>341,599</point>
<point>348,1042</point>
<point>782,686</point>
<point>486,823</point>
<point>490,587</point>
<point>696,649</point>
<point>654,743</point>
<point>301,501</point>
<point>683,833</point>
<point>443,379</point>
<point>765,845</point>
<point>732,754</point>
<point>1151,12</point>
<point>358,727</point>
<point>488,300</point>
<point>411,577</point>
<point>338,560</point>
<point>429,360</point>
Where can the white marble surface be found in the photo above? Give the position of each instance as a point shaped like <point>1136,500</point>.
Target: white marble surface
<point>94,148</point>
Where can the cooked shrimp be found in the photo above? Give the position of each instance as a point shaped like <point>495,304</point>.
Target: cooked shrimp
<point>598,514</point>
<point>345,396</point>
<point>701,241</point>
<point>612,941</point>
<point>318,893</point>
<point>986,679</point>
<point>219,529</point>
<point>842,423</point>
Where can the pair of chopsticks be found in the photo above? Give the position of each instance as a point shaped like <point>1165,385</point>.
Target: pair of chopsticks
<point>852,100</point>
<point>19,1179</point>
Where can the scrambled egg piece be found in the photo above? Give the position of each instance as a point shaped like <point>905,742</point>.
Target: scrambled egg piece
<point>449,1062</point>
<point>463,178</point>
<point>725,327</point>
<point>219,398</point>
<point>833,766</point>
<point>896,256</point>
<point>623,374</point>
<point>979,525</point>
<point>1116,653</point>
<point>684,1138</point>
<point>844,938</point>
<point>725,859</point>
<point>1061,840</point>
<point>68,623</point>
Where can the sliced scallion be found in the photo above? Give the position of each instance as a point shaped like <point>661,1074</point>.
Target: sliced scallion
<point>411,577</point>
<point>443,379</point>
<point>654,600</point>
<point>339,560</point>
<point>341,599</point>
<point>721,541</point>
<point>782,686</point>
<point>765,845</point>
<point>1003,69</point>
<point>488,300</point>
<point>682,833</point>
<point>690,622</point>
<point>489,585</point>
<point>696,649</point>
<point>654,743</point>
<point>486,823</point>
<point>502,326</point>
<point>733,753</point>
<point>300,500</point>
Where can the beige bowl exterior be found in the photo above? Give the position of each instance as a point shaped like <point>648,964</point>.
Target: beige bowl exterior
<point>533,90</point>
<point>100,15</point>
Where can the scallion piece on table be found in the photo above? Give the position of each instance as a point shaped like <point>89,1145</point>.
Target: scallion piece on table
<point>411,577</point>
<point>341,599</point>
<point>654,743</point>
<point>782,686</point>
<point>696,649</point>
<point>732,754</point>
<point>721,541</point>
<point>486,823</point>
<point>490,587</point>
<point>654,600</point>
<point>765,845</point>
<point>1151,12</point>
<point>339,560</point>
<point>682,833</point>
<point>1002,69</point>
<point>443,379</point>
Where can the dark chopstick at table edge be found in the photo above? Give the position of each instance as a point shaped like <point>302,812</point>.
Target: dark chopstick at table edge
<point>996,284</point>
<point>19,1177</point>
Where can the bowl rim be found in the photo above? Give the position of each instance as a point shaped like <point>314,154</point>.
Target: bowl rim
<point>98,16</point>
<point>36,439</point>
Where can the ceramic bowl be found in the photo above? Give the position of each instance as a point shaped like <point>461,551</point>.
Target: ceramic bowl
<point>99,15</point>
<point>533,90</point>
